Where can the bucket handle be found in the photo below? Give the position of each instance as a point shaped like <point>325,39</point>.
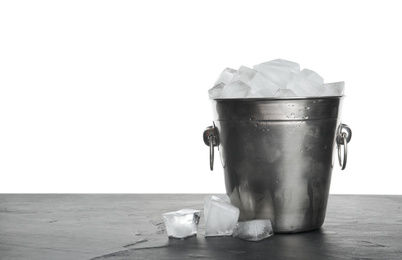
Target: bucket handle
<point>343,138</point>
<point>211,139</point>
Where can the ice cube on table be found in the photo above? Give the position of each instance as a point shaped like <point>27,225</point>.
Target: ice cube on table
<point>182,223</point>
<point>260,86</point>
<point>278,71</point>
<point>226,76</point>
<point>333,89</point>
<point>207,203</point>
<point>220,217</point>
<point>236,89</point>
<point>216,91</point>
<point>244,74</point>
<point>253,230</point>
<point>307,83</point>
<point>284,93</point>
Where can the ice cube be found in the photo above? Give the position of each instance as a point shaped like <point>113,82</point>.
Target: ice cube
<point>244,74</point>
<point>307,83</point>
<point>260,86</point>
<point>285,92</point>
<point>278,71</point>
<point>312,76</point>
<point>182,223</point>
<point>226,76</point>
<point>284,64</point>
<point>220,217</point>
<point>207,203</point>
<point>216,91</point>
<point>236,89</point>
<point>253,230</point>
<point>224,197</point>
<point>334,89</point>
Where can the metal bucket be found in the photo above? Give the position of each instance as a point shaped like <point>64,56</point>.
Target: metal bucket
<point>277,156</point>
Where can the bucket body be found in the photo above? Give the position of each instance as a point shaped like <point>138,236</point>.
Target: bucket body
<point>277,156</point>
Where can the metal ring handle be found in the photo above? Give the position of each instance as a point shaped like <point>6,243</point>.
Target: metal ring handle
<point>211,139</point>
<point>343,138</point>
<point>344,128</point>
<point>345,150</point>
<point>211,151</point>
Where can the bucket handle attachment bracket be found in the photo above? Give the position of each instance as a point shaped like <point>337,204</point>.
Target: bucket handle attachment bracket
<point>343,138</point>
<point>211,139</point>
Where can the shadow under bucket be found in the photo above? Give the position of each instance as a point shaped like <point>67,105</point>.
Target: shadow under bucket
<point>277,156</point>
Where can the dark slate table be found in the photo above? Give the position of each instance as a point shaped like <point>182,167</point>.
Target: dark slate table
<point>129,226</point>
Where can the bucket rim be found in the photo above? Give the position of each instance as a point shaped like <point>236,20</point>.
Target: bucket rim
<point>277,98</point>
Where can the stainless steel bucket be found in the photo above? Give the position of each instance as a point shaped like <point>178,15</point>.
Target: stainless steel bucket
<point>277,156</point>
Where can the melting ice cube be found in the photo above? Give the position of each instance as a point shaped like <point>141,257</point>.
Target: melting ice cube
<point>253,230</point>
<point>278,71</point>
<point>182,223</point>
<point>207,203</point>
<point>226,76</point>
<point>334,89</point>
<point>306,83</point>
<point>244,74</point>
<point>220,217</point>
<point>216,91</point>
<point>236,89</point>
<point>284,92</point>
<point>260,86</point>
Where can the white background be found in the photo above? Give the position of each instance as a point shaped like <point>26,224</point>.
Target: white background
<point>111,96</point>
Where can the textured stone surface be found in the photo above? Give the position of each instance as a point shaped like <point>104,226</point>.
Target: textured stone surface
<point>130,226</point>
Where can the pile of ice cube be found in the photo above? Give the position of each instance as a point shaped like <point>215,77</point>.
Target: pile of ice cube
<point>273,79</point>
<point>221,219</point>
